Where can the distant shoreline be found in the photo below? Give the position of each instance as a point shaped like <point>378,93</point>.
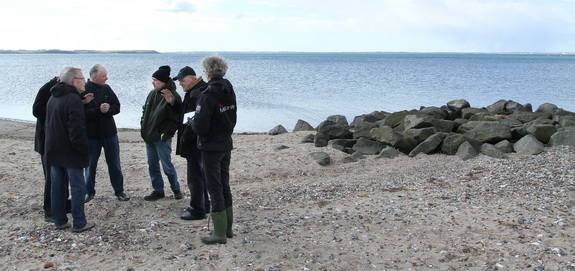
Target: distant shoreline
<point>57,51</point>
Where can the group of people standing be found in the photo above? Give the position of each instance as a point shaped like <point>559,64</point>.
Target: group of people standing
<point>76,121</point>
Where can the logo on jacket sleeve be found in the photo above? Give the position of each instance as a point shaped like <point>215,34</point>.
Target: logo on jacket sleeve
<point>198,108</point>
<point>224,108</point>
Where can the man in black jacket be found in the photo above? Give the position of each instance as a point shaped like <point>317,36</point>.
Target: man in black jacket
<point>39,111</point>
<point>102,133</point>
<point>66,149</point>
<point>186,145</point>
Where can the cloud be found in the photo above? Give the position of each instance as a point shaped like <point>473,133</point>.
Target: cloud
<point>292,25</point>
<point>184,7</point>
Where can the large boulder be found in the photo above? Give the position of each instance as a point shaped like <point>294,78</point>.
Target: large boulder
<point>528,145</point>
<point>279,129</point>
<point>548,108</point>
<point>338,119</point>
<point>498,107</point>
<point>563,137</point>
<point>362,128</point>
<point>564,121</point>
<point>396,119</point>
<point>492,151</point>
<point>445,126</point>
<point>490,132</point>
<point>452,142</point>
<point>321,158</point>
<point>466,151</point>
<point>420,134</point>
<point>370,118</point>
<point>394,138</point>
<point>328,130</point>
<point>416,121</point>
<point>429,145</point>
<point>389,152</point>
<point>458,105</point>
<point>344,145</point>
<point>366,146</point>
<point>525,117</point>
<point>542,132</point>
<point>505,146</point>
<point>435,112</point>
<point>467,113</point>
<point>508,107</point>
<point>302,125</point>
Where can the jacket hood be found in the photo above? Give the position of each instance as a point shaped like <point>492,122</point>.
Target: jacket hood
<point>61,89</point>
<point>223,90</point>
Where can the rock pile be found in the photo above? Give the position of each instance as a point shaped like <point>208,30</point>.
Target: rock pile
<point>453,129</point>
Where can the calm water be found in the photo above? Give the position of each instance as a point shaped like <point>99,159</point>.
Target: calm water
<point>280,88</point>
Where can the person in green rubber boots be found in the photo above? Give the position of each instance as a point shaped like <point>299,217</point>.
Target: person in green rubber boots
<point>214,122</point>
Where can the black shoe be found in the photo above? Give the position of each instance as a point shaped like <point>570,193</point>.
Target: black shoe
<point>178,194</point>
<point>192,217</point>
<point>155,196</point>
<point>89,198</point>
<point>122,197</point>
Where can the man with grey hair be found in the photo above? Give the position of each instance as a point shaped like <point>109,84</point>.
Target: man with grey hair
<point>102,133</point>
<point>66,149</point>
<point>214,121</point>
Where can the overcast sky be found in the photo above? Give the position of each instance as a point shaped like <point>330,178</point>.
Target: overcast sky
<point>291,25</point>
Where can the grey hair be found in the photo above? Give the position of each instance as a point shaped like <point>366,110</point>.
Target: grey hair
<point>95,70</point>
<point>68,74</point>
<point>215,66</point>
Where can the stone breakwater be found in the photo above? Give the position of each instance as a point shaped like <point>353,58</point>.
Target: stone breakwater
<point>453,129</point>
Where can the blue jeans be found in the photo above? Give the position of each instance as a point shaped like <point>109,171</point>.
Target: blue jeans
<point>58,194</point>
<point>160,152</point>
<point>217,174</point>
<point>112,154</point>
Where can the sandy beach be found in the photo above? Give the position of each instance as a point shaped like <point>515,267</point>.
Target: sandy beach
<point>429,212</point>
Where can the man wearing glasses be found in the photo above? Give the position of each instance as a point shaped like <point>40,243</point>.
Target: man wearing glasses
<point>66,149</point>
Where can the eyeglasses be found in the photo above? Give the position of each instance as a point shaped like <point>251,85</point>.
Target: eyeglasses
<point>80,78</point>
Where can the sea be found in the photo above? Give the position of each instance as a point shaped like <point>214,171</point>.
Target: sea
<point>280,88</point>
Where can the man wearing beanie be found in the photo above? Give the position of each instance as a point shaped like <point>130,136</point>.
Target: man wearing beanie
<point>158,125</point>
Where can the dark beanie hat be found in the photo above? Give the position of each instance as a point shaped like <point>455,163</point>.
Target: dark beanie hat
<point>162,74</point>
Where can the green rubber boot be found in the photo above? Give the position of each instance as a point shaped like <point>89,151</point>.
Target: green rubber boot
<point>218,235</point>
<point>230,221</point>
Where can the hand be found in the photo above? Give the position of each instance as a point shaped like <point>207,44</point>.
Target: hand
<point>105,107</point>
<point>88,98</point>
<point>168,96</point>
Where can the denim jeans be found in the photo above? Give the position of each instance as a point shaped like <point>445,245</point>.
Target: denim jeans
<point>47,189</point>
<point>112,154</point>
<point>58,193</point>
<point>217,174</point>
<point>160,152</point>
<point>199,198</point>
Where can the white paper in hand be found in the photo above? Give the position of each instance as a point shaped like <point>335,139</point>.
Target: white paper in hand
<point>188,116</point>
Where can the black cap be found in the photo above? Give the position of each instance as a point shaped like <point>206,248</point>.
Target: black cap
<point>162,74</point>
<point>185,71</point>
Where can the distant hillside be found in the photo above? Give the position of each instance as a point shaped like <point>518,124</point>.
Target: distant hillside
<point>57,51</point>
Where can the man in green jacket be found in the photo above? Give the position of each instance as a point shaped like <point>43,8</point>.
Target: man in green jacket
<point>158,125</point>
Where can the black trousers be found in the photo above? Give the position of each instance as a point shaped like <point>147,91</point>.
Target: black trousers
<point>199,198</point>
<point>217,174</point>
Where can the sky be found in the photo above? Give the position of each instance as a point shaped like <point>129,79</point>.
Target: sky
<point>290,25</point>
